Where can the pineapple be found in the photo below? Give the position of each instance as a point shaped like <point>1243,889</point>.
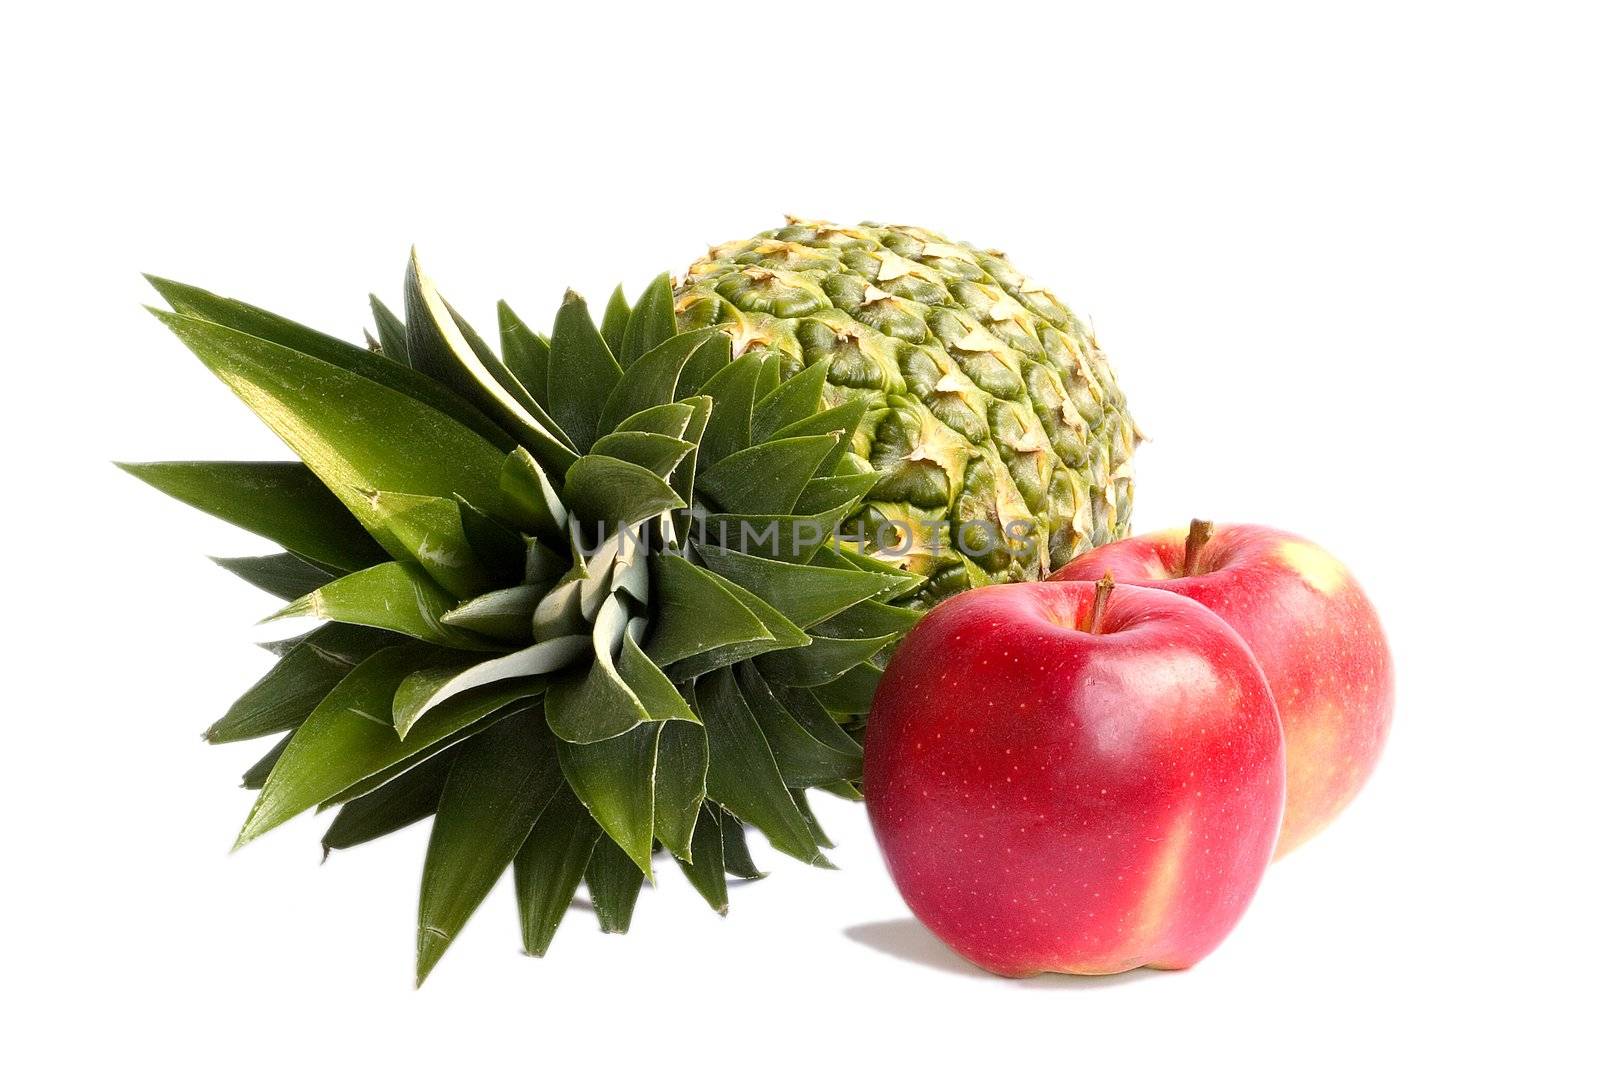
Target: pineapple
<point>993,419</point>
<point>606,598</point>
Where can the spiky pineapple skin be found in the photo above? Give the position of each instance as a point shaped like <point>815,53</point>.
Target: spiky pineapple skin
<point>992,408</point>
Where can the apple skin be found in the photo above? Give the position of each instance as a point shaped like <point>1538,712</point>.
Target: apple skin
<point>1047,799</point>
<point>1314,633</point>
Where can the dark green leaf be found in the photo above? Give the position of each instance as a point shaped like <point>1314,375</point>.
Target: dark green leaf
<point>851,694</point>
<point>433,535</point>
<point>681,760</point>
<point>706,873</point>
<point>843,490</point>
<point>527,354</point>
<point>403,801</point>
<point>743,776</point>
<point>616,493</point>
<point>504,614</point>
<point>736,850</point>
<point>682,479</point>
<point>391,333</point>
<point>349,737</point>
<point>805,595</point>
<point>443,347</point>
<point>257,774</point>
<point>799,397</point>
<point>443,748</point>
<point>549,867</point>
<point>656,452</point>
<point>651,380</point>
<point>397,597</point>
<point>355,435</point>
<point>839,555</point>
<point>651,323</point>
<point>871,619</point>
<point>614,778</point>
<point>842,420</point>
<point>582,373</point>
<point>791,538</point>
<point>802,759</point>
<point>614,323</point>
<point>195,303</point>
<point>614,883</point>
<point>783,634</point>
<point>804,805</point>
<point>695,612</point>
<point>529,499</point>
<point>498,547</point>
<point>733,394</point>
<point>283,502</point>
<point>703,365</point>
<point>825,659</point>
<point>283,698</point>
<point>500,783</point>
<point>804,707</point>
<point>764,479</point>
<point>285,575</point>
<point>668,419</point>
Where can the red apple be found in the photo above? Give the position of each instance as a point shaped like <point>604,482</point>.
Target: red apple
<point>1311,628</point>
<point>1060,788</point>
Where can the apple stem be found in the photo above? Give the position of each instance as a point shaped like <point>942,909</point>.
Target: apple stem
<point>1199,535</point>
<point>1102,597</point>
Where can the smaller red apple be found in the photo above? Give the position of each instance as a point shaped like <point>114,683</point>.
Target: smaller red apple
<point>1070,778</point>
<point>1310,627</point>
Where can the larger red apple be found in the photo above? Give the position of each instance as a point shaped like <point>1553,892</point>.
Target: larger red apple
<point>1055,792</point>
<point>1312,630</point>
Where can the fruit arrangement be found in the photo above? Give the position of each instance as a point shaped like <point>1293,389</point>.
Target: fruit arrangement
<point>607,597</point>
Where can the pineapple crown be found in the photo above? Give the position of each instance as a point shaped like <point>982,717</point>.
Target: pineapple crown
<point>581,601</point>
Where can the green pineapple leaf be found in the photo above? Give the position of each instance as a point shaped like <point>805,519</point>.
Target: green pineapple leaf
<point>435,538</point>
<point>651,379</point>
<point>805,595</point>
<point>283,502</point>
<point>614,779</point>
<point>391,333</point>
<point>766,478</point>
<point>506,614</point>
<point>732,391</point>
<point>549,867</point>
<point>803,760</point>
<point>825,659</point>
<point>499,784</point>
<point>680,786</point>
<point>743,776</point>
<point>528,497</point>
<point>707,873</point>
<point>614,322</point>
<point>284,575</point>
<point>348,738</point>
<point>397,597</point>
<point>283,698</point>
<point>614,882</point>
<point>583,373</point>
<point>798,398</point>
<point>406,800</point>
<point>194,303</point>
<point>650,323</point>
<point>526,355</point>
<point>616,493</point>
<point>356,436</point>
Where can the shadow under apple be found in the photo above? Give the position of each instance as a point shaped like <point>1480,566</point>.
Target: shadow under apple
<point>909,940</point>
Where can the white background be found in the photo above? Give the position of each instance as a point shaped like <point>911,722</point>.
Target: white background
<point>1345,264</point>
